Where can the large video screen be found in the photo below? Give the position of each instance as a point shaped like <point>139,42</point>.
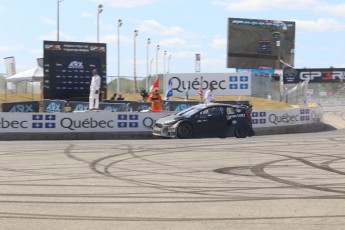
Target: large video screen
<point>260,44</point>
<point>68,69</point>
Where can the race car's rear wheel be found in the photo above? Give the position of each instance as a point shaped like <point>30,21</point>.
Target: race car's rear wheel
<point>241,131</point>
<point>185,130</point>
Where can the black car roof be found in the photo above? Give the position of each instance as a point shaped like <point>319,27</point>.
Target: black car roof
<point>221,104</point>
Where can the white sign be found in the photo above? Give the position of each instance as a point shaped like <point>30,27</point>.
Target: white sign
<point>134,121</point>
<point>225,84</point>
<point>274,118</point>
<point>78,122</point>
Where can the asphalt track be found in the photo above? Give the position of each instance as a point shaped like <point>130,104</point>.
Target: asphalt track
<point>292,181</point>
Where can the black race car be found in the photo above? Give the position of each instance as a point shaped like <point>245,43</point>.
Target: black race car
<point>207,120</point>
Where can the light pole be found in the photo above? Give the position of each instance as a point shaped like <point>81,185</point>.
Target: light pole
<point>169,57</point>
<point>152,60</point>
<point>136,32</point>
<point>58,19</point>
<point>118,55</point>
<point>99,11</point>
<point>165,54</point>
<point>157,49</point>
<point>147,63</point>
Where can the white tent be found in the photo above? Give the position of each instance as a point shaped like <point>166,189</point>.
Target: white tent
<point>31,75</point>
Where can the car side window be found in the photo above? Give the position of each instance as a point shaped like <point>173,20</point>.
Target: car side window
<point>217,112</point>
<point>204,114</point>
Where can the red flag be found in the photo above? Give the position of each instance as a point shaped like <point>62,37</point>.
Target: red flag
<point>154,85</point>
<point>200,91</point>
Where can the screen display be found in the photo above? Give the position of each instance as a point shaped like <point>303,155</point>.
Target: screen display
<point>68,69</point>
<point>260,44</point>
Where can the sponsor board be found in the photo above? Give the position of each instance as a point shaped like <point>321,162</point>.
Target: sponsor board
<point>274,118</point>
<point>223,83</point>
<point>78,122</point>
<point>294,76</point>
<point>133,121</point>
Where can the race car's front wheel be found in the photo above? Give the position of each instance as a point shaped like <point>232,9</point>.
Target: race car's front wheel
<point>184,131</point>
<point>241,131</point>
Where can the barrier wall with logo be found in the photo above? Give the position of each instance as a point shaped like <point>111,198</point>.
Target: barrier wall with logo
<point>104,121</point>
<point>123,106</point>
<point>21,107</point>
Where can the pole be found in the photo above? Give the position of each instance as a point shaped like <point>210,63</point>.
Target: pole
<point>165,54</point>
<point>157,60</point>
<point>169,57</point>
<point>58,20</point>
<point>134,62</point>
<point>147,64</point>
<point>118,55</point>
<point>99,11</point>
<point>98,27</point>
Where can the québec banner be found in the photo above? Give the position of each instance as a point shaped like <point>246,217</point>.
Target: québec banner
<point>134,121</point>
<point>224,84</point>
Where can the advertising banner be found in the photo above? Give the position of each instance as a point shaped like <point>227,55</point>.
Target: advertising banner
<point>177,106</point>
<point>135,106</point>
<point>10,66</point>
<point>78,106</point>
<point>68,69</point>
<point>53,106</point>
<point>271,118</point>
<point>113,107</point>
<point>78,122</point>
<point>225,84</point>
<point>134,121</point>
<point>20,107</point>
<point>294,76</point>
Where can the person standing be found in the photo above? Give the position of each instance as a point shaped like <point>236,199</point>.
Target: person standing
<point>156,99</point>
<point>94,90</point>
<point>209,96</point>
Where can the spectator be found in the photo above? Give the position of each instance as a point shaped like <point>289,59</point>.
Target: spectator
<point>113,98</point>
<point>120,98</point>
<point>209,97</point>
<point>156,99</point>
<point>94,90</point>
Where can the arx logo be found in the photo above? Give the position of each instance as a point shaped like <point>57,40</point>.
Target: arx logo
<point>22,108</point>
<point>53,107</point>
<point>76,65</point>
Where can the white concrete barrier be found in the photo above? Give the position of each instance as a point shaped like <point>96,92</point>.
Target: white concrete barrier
<point>115,125</point>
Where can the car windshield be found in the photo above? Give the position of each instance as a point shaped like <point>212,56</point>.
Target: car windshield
<point>190,111</point>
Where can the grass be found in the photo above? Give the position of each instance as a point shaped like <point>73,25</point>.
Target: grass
<point>258,103</point>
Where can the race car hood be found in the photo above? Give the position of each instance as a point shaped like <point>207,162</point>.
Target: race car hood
<point>169,119</point>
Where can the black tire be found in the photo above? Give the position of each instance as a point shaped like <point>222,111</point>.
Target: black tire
<point>241,131</point>
<point>185,131</point>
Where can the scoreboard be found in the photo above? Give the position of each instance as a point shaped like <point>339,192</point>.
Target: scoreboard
<point>68,69</point>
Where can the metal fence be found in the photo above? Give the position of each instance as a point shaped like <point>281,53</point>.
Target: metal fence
<point>26,90</point>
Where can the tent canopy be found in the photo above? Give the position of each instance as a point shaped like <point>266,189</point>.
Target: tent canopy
<point>33,74</point>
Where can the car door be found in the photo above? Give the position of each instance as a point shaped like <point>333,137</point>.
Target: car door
<point>200,125</point>
<point>210,122</point>
<point>217,122</point>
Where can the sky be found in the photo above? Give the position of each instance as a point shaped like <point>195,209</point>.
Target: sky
<point>182,28</point>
